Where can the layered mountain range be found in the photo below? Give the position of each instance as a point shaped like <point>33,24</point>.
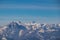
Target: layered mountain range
<point>30,31</point>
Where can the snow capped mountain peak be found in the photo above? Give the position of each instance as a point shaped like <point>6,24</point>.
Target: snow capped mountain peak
<point>19,22</point>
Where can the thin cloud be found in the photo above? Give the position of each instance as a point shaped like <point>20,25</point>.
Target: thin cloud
<point>28,7</point>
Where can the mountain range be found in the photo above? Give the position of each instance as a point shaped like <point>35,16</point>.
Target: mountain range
<point>30,31</point>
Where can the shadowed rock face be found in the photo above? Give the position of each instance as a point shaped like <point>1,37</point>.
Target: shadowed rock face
<point>13,31</point>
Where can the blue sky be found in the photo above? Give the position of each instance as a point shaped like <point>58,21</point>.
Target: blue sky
<point>43,11</point>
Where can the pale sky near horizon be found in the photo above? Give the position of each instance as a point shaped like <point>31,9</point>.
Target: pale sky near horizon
<point>43,11</point>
